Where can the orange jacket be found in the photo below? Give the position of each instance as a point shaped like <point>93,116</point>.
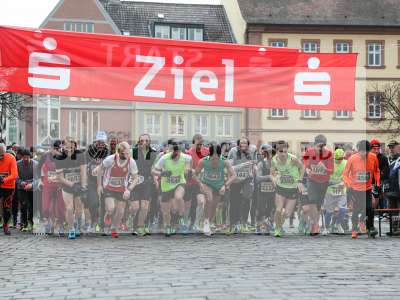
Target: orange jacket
<point>9,171</point>
<point>359,172</point>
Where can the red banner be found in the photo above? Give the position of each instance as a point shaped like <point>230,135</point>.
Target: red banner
<point>168,71</point>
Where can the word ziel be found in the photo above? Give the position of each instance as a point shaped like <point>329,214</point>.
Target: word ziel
<point>201,80</point>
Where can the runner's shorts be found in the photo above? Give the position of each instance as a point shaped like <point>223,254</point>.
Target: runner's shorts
<point>113,194</point>
<point>166,196</point>
<point>191,192</point>
<point>7,195</point>
<point>142,191</point>
<point>288,193</point>
<point>316,192</point>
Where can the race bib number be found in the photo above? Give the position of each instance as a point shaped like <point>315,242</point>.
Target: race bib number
<point>337,190</point>
<point>287,179</point>
<point>174,179</point>
<point>212,176</point>
<point>73,177</point>
<point>140,179</point>
<point>363,177</point>
<point>243,173</point>
<point>318,170</point>
<point>116,181</point>
<point>267,187</point>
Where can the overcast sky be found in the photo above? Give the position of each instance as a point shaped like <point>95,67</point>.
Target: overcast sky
<point>31,13</point>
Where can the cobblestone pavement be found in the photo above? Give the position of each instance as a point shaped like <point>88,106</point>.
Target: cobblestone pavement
<point>197,267</point>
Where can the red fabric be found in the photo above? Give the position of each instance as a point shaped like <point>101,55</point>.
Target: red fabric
<point>311,159</point>
<point>117,171</point>
<point>167,71</point>
<point>9,171</point>
<point>196,156</point>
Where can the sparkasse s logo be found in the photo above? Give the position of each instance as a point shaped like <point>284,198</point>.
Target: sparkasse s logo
<point>62,75</point>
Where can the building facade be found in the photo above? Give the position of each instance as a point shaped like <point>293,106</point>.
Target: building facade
<point>57,117</point>
<point>369,28</point>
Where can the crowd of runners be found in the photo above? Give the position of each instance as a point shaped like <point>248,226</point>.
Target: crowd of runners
<point>112,187</point>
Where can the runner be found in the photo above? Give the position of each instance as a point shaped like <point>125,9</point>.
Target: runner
<point>335,203</point>
<point>172,168</point>
<point>116,189</point>
<point>212,183</point>
<point>318,161</point>
<point>26,182</point>
<point>144,155</point>
<point>266,192</point>
<point>243,162</point>
<point>361,170</point>
<point>53,209</point>
<point>71,175</point>
<point>95,155</point>
<point>288,174</point>
<point>195,198</point>
<point>8,176</point>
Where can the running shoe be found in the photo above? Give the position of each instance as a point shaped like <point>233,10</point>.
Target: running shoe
<point>325,232</point>
<point>229,231</point>
<point>194,229</point>
<point>147,230</point>
<point>97,228</point>
<point>114,233</point>
<point>207,230</point>
<point>339,229</point>
<point>362,227</point>
<point>372,233</point>
<point>237,229</point>
<point>141,231</point>
<point>71,234</point>
<point>302,225</point>
<point>277,233</point>
<point>107,220</point>
<point>48,228</point>
<point>314,230</point>
<point>184,229</point>
<point>167,231</point>
<point>354,234</point>
<point>87,228</point>
<point>6,230</point>
<point>123,227</point>
<point>258,230</point>
<point>61,232</point>
<point>78,232</point>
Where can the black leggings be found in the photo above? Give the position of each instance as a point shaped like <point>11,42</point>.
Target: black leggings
<point>92,202</point>
<point>25,198</point>
<point>239,206</point>
<point>265,206</point>
<point>362,204</point>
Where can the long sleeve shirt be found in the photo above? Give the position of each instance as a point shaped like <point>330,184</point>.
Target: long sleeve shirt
<point>8,171</point>
<point>27,173</point>
<point>360,172</point>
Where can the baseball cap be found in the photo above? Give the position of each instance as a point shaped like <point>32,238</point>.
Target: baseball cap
<point>266,147</point>
<point>339,153</point>
<point>393,143</point>
<point>375,143</point>
<point>320,139</point>
<point>101,136</point>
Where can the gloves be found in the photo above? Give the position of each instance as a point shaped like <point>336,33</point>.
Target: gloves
<point>166,174</point>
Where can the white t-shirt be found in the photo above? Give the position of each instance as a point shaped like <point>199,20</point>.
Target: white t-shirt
<point>108,164</point>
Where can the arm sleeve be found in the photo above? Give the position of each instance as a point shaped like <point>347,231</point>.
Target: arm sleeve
<point>346,173</point>
<point>377,172</point>
<point>107,162</point>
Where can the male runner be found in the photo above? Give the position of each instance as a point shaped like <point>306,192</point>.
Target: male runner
<point>172,168</point>
<point>361,170</point>
<point>8,176</point>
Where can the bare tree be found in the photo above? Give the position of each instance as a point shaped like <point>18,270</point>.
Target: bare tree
<point>389,95</point>
<point>12,108</point>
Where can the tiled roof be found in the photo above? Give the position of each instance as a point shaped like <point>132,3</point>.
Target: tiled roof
<point>322,12</point>
<point>139,17</point>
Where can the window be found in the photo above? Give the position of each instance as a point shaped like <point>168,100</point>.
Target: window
<point>95,123</point>
<point>375,53</point>
<point>342,114</point>
<point>277,43</point>
<point>278,113</point>
<point>178,32</point>
<point>310,114</point>
<point>177,125</point>
<point>374,106</point>
<point>79,26</point>
<point>201,124</point>
<point>73,124</point>
<point>224,125</point>
<point>84,129</point>
<point>153,124</point>
<point>12,132</point>
<point>310,46</point>
<point>342,46</point>
<point>48,118</point>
